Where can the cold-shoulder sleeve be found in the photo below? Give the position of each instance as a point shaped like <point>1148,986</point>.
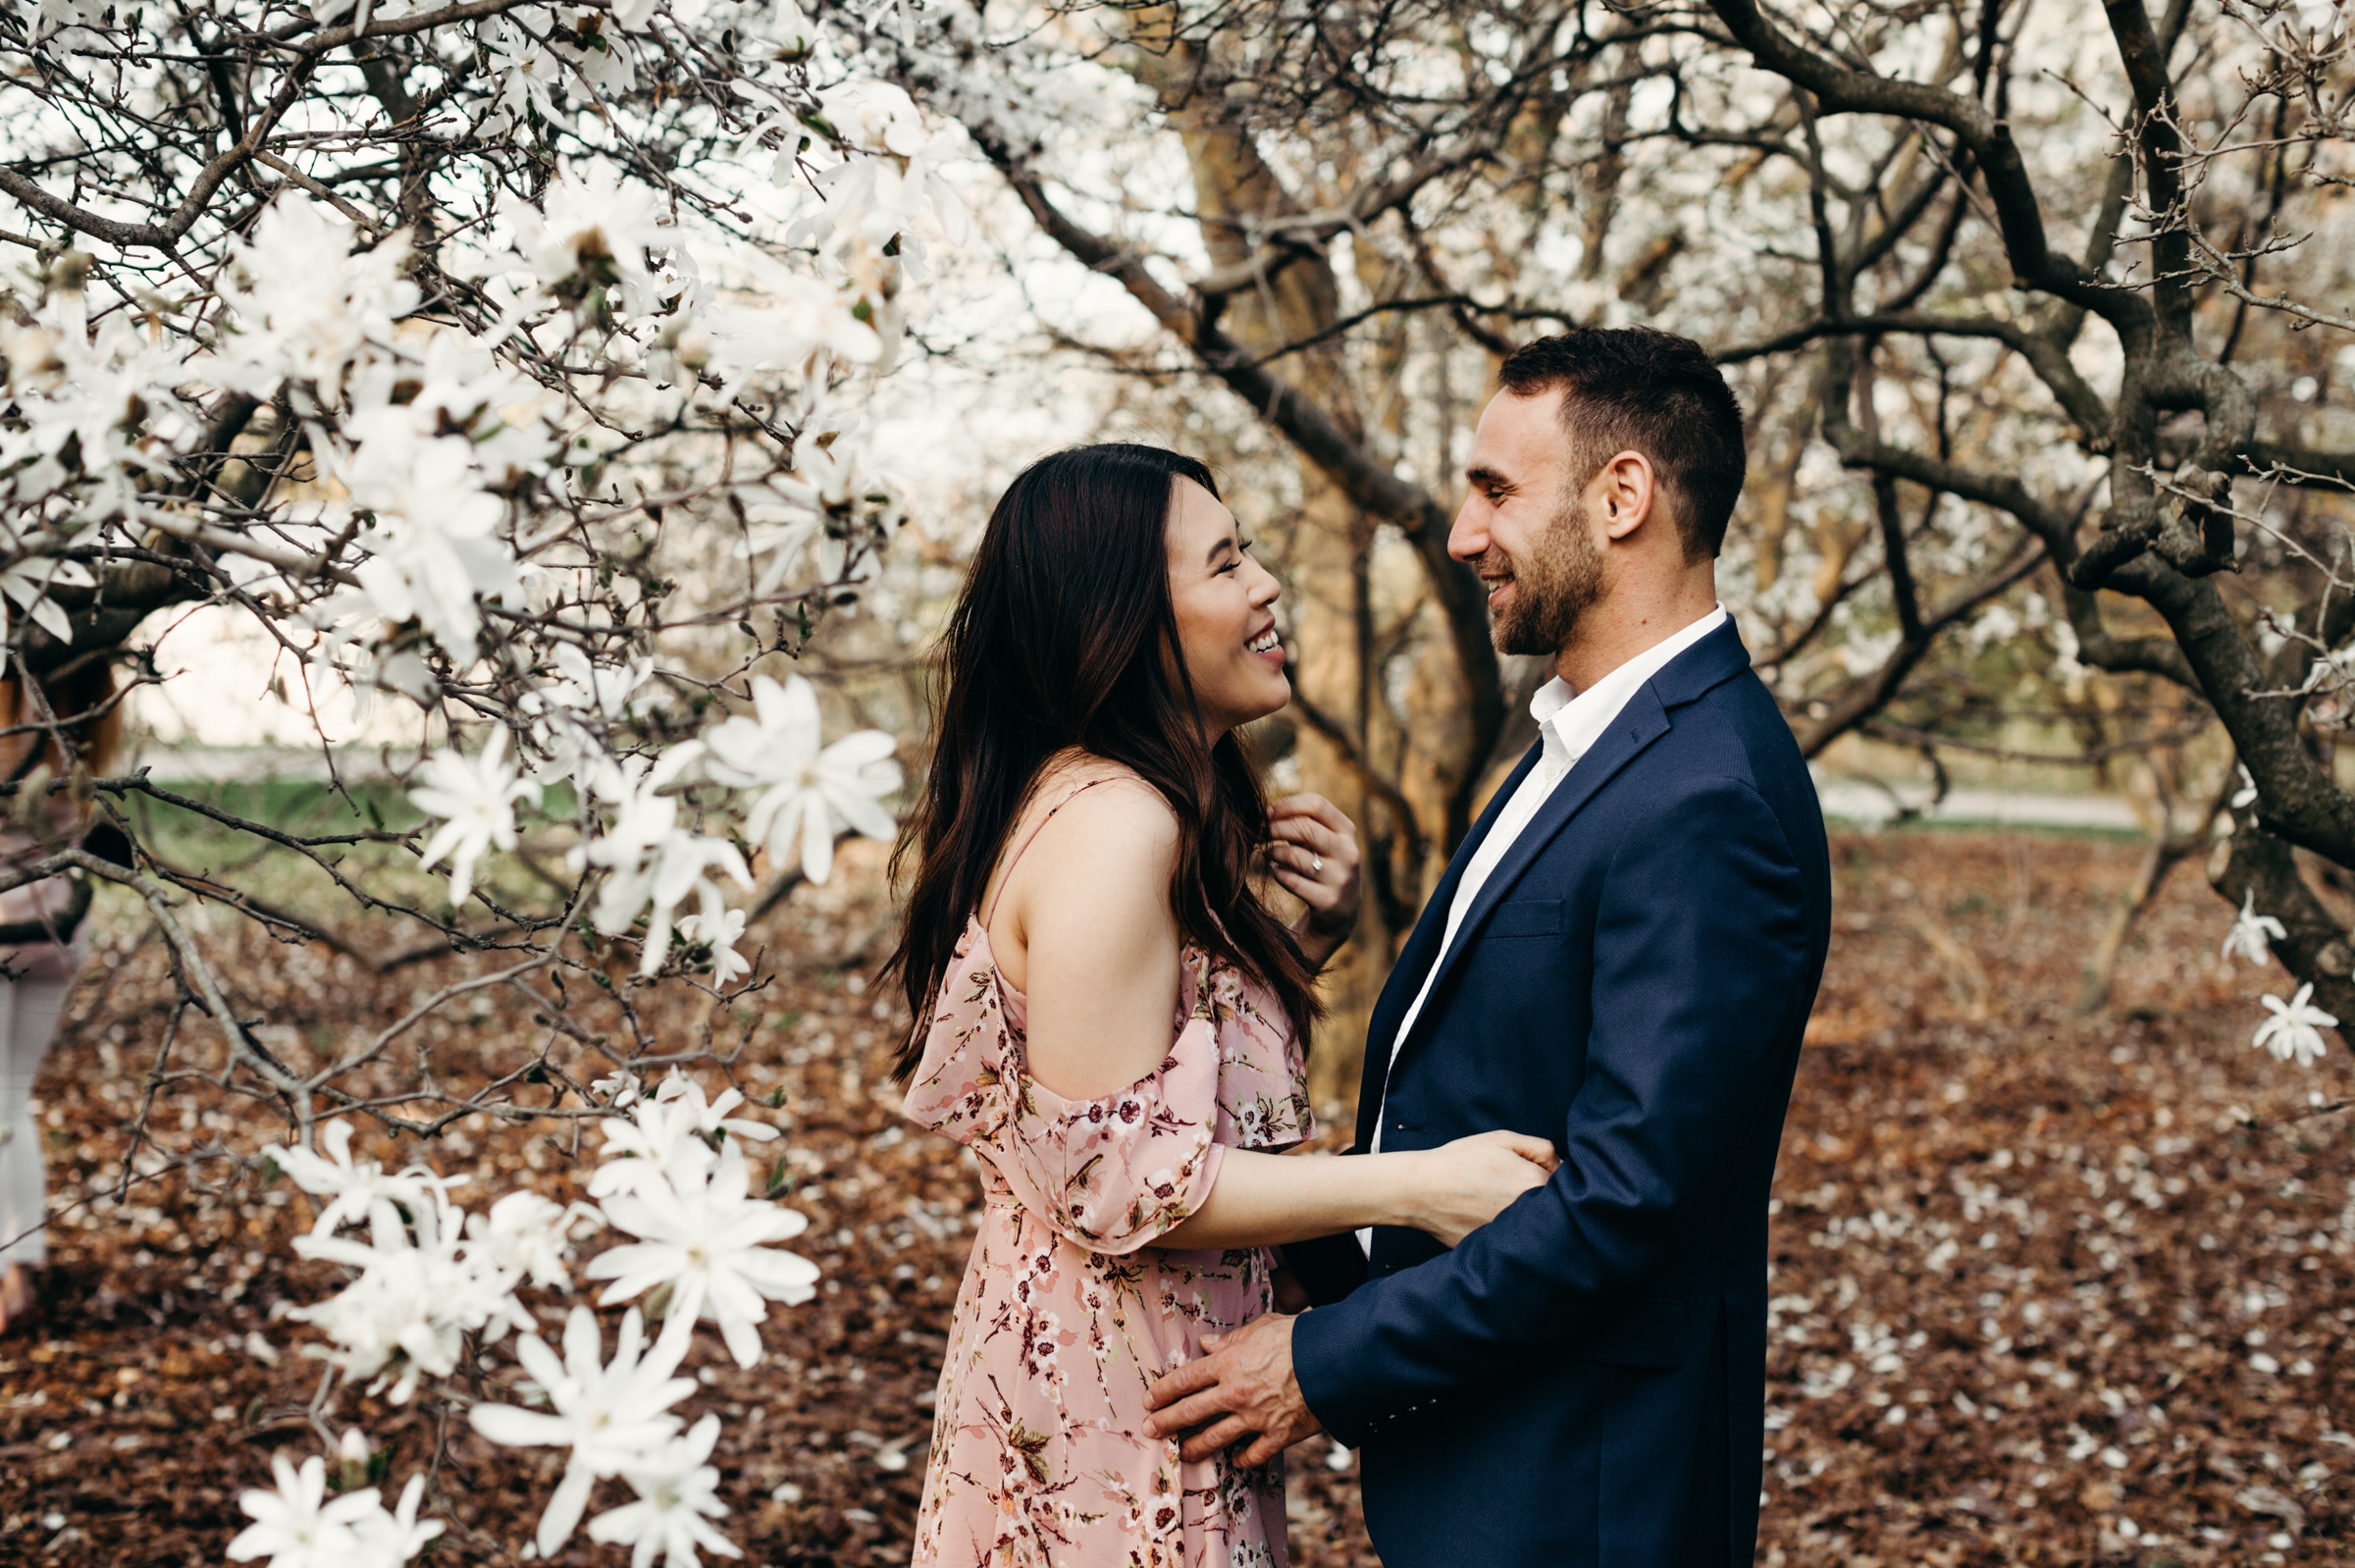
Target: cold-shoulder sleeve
<point>1111,1173</point>
<point>1121,1171</point>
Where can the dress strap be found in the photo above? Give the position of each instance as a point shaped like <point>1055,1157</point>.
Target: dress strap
<point>991,914</point>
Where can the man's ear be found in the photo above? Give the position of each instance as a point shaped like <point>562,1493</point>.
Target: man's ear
<point>1622,493</point>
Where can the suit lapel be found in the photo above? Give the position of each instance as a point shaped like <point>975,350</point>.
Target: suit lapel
<point>1715,658</point>
<point>1421,950</point>
<point>1641,722</point>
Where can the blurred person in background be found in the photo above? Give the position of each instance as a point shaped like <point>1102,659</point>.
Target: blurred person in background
<point>66,718</point>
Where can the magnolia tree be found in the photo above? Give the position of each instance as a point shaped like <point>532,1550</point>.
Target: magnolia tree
<point>2066,290</point>
<point>2033,307</point>
<point>505,364</point>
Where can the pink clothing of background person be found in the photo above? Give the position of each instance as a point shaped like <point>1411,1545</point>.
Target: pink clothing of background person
<point>1067,1310</point>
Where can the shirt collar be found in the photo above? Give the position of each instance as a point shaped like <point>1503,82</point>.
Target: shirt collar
<point>1571,721</point>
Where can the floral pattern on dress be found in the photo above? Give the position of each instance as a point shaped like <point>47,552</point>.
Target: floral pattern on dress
<point>1067,1310</point>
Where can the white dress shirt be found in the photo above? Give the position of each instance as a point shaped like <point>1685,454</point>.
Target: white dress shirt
<point>1568,724</point>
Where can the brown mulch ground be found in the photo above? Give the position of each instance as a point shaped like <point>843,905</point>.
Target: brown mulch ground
<point>2047,1289</point>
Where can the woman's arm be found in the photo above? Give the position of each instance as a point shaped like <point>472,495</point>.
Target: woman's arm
<point>1263,1200</point>
<point>1084,930</point>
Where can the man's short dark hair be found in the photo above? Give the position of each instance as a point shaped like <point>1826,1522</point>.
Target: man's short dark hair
<point>1631,388</point>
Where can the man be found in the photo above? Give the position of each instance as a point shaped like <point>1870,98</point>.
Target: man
<point>1621,957</point>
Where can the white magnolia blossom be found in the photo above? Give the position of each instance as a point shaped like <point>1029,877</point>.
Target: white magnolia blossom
<point>428,1277</point>
<point>876,117</point>
<point>817,505</point>
<point>806,793</point>
<point>99,410</point>
<point>421,1288</point>
<point>703,1235</point>
<point>719,930</point>
<point>305,304</point>
<point>591,230</point>
<point>298,1526</point>
<point>795,318</point>
<point>572,714</point>
<point>668,1135</point>
<point>612,1415</point>
<point>650,862</point>
<point>475,796</point>
<point>527,68</point>
<point>780,531</point>
<point>353,1186</point>
<point>531,1237</point>
<point>390,1538</point>
<point>900,178</point>
<point>2294,1031</point>
<point>708,1116</point>
<point>2318,18</point>
<point>677,1492</point>
<point>443,464</point>
<point>27,580</point>
<point>453,384</point>
<point>434,543</point>
<point>2250,932</point>
<point>619,1089</point>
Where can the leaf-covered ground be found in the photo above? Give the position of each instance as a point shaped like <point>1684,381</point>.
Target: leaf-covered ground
<point>2047,1288</point>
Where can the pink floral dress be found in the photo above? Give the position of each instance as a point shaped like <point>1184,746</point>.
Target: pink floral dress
<point>1067,1310</point>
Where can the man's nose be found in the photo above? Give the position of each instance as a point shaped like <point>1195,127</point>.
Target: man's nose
<point>1468,536</point>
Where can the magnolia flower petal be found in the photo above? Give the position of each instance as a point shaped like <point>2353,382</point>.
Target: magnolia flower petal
<point>514,1428</point>
<point>817,840</point>
<point>565,1507</point>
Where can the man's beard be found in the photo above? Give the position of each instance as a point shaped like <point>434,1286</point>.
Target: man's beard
<point>1560,581</point>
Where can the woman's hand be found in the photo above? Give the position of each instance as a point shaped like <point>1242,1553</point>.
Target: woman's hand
<point>1314,857</point>
<point>1469,1181</point>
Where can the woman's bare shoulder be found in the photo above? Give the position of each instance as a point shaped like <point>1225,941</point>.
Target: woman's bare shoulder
<point>1091,877</point>
<point>1096,788</point>
<point>1103,808</point>
<point>1092,825</point>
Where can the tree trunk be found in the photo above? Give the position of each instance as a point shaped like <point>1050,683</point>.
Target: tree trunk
<point>1322,551</point>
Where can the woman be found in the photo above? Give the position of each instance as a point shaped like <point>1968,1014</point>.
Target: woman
<point>1108,1013</point>
<point>72,713</point>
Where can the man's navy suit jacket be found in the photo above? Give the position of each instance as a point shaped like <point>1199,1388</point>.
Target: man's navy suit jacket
<point>1583,1380</point>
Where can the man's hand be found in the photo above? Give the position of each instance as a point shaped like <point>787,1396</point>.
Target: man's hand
<point>1243,1388</point>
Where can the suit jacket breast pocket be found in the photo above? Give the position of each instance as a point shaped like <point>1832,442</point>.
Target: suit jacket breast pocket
<point>1526,918</point>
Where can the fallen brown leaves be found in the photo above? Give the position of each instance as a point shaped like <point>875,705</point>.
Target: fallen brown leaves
<point>2047,1289</point>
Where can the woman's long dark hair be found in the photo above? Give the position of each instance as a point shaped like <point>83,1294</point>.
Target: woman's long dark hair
<point>1064,639</point>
